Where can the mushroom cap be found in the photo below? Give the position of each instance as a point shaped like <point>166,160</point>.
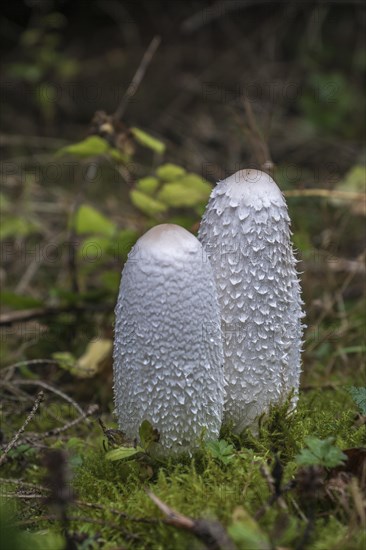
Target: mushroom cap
<point>168,358</point>
<point>251,187</point>
<point>167,241</point>
<point>246,235</point>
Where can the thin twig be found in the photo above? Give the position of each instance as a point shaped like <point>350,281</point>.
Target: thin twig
<point>217,10</point>
<point>172,516</point>
<point>30,363</point>
<point>210,532</point>
<point>119,513</point>
<point>336,265</point>
<point>274,497</point>
<point>51,389</point>
<point>137,79</point>
<point>13,442</point>
<point>77,519</point>
<point>25,496</point>
<point>56,431</point>
<point>327,193</point>
<point>23,484</point>
<point>31,314</point>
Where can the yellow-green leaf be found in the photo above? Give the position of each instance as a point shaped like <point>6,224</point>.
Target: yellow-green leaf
<point>95,356</point>
<point>93,249</point>
<point>355,180</point>
<point>170,172</point>
<point>178,196</point>
<point>148,141</point>
<point>146,204</point>
<point>117,156</point>
<point>122,452</point>
<point>65,360</point>
<point>17,227</point>
<point>89,220</point>
<point>147,185</point>
<point>193,181</point>
<point>89,147</point>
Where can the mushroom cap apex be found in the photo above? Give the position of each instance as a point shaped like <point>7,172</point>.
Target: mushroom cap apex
<point>253,184</point>
<point>168,239</point>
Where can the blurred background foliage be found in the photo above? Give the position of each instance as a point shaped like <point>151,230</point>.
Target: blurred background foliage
<point>90,161</point>
<point>276,86</point>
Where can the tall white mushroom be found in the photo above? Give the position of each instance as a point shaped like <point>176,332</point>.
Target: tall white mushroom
<point>168,358</point>
<point>246,234</point>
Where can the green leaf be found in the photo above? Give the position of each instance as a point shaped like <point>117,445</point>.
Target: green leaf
<point>17,227</point>
<point>200,185</point>
<point>94,249</point>
<point>246,532</point>
<point>148,141</point>
<point>122,452</point>
<point>25,448</point>
<point>189,190</point>
<point>65,360</point>
<point>178,196</point>
<point>170,172</point>
<point>355,180</point>
<point>359,397</point>
<point>118,156</point>
<point>248,537</point>
<point>320,452</point>
<point>148,434</point>
<point>89,147</point>
<point>147,185</point>
<point>146,204</point>
<point>89,220</point>
<point>221,450</point>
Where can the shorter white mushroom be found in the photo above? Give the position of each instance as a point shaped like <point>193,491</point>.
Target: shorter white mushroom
<point>246,233</point>
<point>168,359</point>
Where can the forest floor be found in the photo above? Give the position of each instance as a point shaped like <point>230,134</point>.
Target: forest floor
<point>69,218</point>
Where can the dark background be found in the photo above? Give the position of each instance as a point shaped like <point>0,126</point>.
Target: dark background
<point>301,65</point>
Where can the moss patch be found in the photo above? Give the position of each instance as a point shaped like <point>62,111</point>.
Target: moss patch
<point>112,508</point>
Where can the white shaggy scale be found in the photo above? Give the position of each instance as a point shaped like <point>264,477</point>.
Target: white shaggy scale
<point>168,358</point>
<point>246,234</point>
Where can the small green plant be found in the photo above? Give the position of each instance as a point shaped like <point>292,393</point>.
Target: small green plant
<point>221,450</point>
<point>358,395</point>
<point>149,436</point>
<point>320,452</point>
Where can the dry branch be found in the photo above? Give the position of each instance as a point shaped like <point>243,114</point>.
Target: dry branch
<point>13,442</point>
<point>211,533</point>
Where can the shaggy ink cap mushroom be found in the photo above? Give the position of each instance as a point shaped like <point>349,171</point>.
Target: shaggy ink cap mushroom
<point>245,231</point>
<point>168,358</point>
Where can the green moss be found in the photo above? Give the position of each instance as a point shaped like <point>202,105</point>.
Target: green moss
<point>112,497</point>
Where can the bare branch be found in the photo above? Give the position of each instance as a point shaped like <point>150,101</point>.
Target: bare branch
<point>137,79</point>
<point>13,442</point>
